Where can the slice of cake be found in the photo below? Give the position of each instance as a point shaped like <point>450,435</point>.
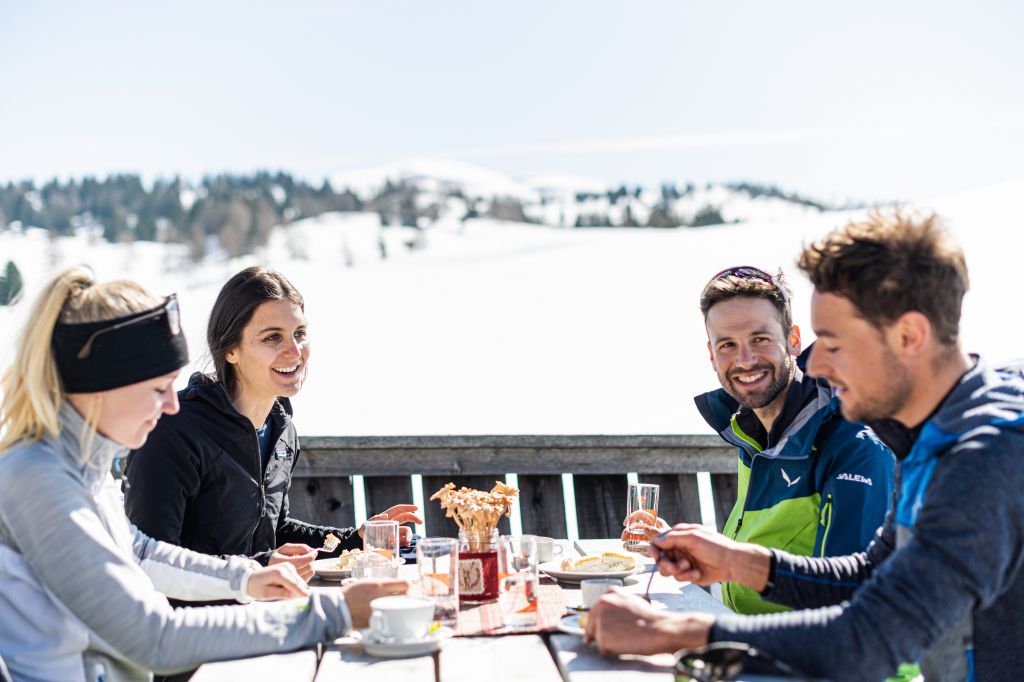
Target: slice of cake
<point>609,562</point>
<point>347,559</point>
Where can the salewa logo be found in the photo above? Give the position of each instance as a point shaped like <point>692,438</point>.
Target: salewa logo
<point>856,478</point>
<point>789,483</point>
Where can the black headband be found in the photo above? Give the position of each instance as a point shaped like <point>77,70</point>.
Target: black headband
<point>99,356</point>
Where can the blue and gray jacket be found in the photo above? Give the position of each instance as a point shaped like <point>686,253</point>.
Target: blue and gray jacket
<point>943,582</point>
<point>816,485</point>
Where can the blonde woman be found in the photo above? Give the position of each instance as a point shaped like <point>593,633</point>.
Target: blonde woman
<point>82,592</point>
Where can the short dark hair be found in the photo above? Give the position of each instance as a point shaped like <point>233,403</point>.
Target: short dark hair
<point>891,264</point>
<point>771,288</point>
<point>236,304</point>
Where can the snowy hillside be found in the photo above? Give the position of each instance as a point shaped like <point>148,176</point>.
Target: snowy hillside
<point>492,327</point>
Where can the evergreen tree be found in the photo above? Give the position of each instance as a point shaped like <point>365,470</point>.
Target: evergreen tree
<point>10,283</point>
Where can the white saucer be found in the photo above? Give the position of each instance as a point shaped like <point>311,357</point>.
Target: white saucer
<point>415,647</point>
<point>570,625</point>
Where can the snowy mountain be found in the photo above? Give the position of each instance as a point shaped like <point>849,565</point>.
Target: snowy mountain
<point>487,326</point>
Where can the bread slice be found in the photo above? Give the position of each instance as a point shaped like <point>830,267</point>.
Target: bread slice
<point>609,562</point>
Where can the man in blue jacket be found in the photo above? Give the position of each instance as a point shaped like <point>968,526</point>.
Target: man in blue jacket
<point>810,482</point>
<point>943,582</point>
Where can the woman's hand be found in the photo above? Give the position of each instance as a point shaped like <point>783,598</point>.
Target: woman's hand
<point>300,556</point>
<point>358,596</point>
<point>403,513</point>
<point>280,581</point>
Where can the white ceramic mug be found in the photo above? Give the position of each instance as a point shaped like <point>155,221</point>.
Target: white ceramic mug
<point>400,617</point>
<point>592,589</point>
<point>547,549</point>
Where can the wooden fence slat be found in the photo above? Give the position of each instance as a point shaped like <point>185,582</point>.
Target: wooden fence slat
<point>383,492</point>
<point>678,497</point>
<point>325,501</point>
<point>724,488</point>
<point>600,504</point>
<point>437,524</point>
<point>542,505</point>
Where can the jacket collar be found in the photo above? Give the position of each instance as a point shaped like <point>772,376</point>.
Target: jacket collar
<point>808,404</point>
<point>94,465</point>
<point>206,388</point>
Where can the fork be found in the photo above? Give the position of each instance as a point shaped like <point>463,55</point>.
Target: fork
<point>650,581</point>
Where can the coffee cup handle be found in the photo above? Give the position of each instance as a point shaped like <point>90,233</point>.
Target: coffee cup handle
<point>556,550</point>
<point>378,625</point>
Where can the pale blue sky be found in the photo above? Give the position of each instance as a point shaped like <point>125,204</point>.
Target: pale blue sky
<point>902,100</point>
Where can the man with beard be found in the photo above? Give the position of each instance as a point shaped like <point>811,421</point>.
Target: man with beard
<point>943,581</point>
<point>810,482</point>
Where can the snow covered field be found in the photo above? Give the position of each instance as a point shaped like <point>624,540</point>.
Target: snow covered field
<point>509,328</point>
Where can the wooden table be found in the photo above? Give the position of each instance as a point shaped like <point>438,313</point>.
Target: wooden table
<point>551,657</point>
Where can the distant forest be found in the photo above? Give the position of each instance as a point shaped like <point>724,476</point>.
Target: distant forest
<point>237,212</point>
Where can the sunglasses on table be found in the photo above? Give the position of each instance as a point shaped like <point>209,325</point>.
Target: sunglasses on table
<point>750,272</point>
<point>169,309</point>
<point>726,660</point>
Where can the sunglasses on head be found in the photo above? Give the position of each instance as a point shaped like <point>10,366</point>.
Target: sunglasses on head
<point>169,308</point>
<point>750,272</point>
<point>725,660</point>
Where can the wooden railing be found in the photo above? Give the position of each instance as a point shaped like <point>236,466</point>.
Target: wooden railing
<point>322,491</point>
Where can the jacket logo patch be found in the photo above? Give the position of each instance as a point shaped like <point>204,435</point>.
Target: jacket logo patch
<point>856,478</point>
<point>789,483</point>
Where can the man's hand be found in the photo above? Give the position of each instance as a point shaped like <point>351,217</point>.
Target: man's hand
<point>359,595</point>
<point>300,556</point>
<point>622,623</point>
<point>403,513</point>
<point>643,523</point>
<point>697,554</point>
<point>276,582</point>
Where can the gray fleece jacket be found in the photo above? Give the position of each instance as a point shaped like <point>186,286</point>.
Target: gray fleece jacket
<point>943,582</point>
<point>83,592</point>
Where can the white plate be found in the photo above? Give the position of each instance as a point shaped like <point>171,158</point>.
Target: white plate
<point>570,625</point>
<point>554,569</point>
<point>417,647</point>
<point>327,569</point>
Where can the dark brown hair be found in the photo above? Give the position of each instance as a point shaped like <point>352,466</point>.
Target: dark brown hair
<point>888,265</point>
<point>726,286</point>
<point>236,304</point>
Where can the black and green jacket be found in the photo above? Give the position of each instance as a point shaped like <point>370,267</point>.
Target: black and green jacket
<point>816,485</point>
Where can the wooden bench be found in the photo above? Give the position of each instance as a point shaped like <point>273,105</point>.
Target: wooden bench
<point>322,490</point>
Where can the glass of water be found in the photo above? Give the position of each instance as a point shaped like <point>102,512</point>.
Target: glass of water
<point>519,580</point>
<point>437,561</point>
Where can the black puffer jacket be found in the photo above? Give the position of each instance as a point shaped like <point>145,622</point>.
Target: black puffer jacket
<point>197,482</point>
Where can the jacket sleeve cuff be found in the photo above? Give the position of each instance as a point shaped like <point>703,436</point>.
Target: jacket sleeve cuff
<point>243,590</point>
<point>769,584</point>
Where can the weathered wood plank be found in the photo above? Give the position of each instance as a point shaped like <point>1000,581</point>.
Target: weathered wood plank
<point>523,658</point>
<point>678,497</point>
<point>336,461</point>
<point>327,501</point>
<point>542,505</point>
<point>437,524</point>
<point>386,491</point>
<point>724,488</point>
<point>350,662</point>
<point>600,504</point>
<point>299,665</point>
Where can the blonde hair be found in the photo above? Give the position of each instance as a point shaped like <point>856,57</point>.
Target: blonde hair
<point>31,387</point>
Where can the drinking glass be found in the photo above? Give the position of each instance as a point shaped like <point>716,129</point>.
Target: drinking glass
<point>519,581</point>
<point>437,560</point>
<point>642,497</point>
<point>381,538</point>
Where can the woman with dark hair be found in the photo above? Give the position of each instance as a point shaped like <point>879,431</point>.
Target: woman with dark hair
<point>215,476</point>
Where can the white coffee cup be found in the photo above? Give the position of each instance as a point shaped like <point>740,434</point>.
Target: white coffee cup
<point>400,617</point>
<point>547,549</point>
<point>592,589</point>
